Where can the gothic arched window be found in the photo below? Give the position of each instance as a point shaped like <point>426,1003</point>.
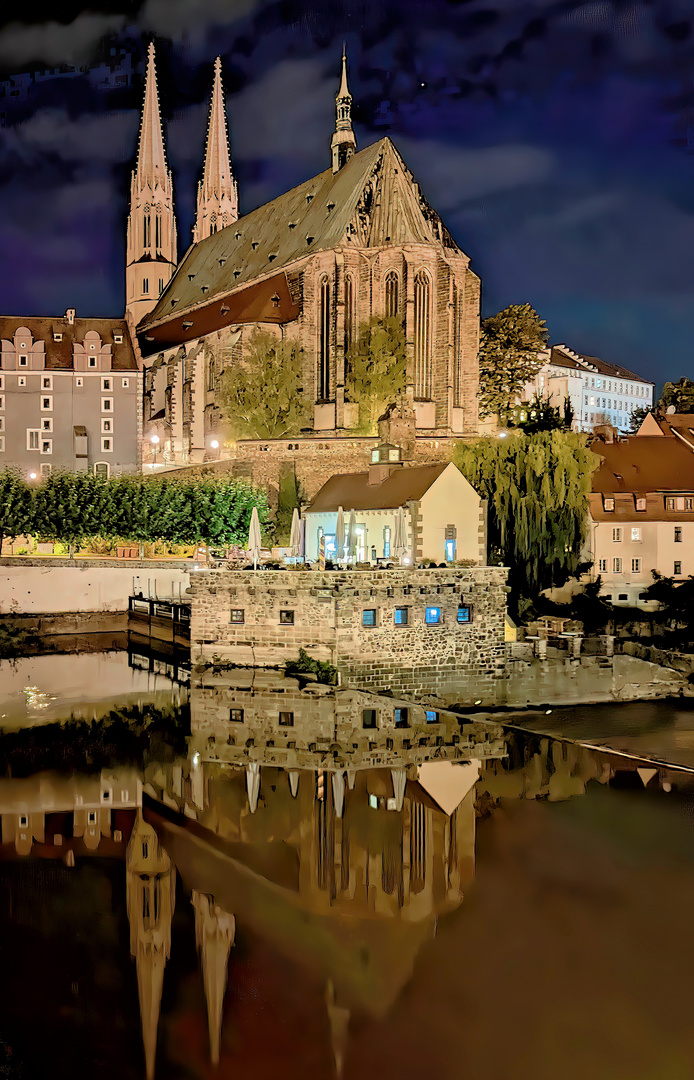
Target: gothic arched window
<point>392,294</point>
<point>213,224</point>
<point>349,312</point>
<point>457,358</point>
<point>422,336</point>
<point>157,230</point>
<point>323,380</point>
<point>147,229</point>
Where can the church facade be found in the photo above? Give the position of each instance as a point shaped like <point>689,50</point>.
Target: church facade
<point>357,241</point>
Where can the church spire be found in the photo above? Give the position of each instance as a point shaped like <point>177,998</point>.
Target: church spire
<point>151,160</point>
<point>151,241</point>
<point>217,191</point>
<point>343,143</point>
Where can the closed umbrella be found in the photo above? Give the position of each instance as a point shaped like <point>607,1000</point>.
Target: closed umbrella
<point>295,534</point>
<point>302,538</point>
<point>352,534</point>
<point>254,537</point>
<point>340,533</point>
<point>400,534</point>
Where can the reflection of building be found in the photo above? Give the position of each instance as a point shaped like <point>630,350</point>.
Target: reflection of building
<point>52,815</point>
<point>151,895</point>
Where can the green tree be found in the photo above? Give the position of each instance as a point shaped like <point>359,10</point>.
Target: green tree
<point>536,487</point>
<point>262,396</point>
<point>376,369</point>
<point>510,344</point>
<point>637,417</point>
<point>16,506</point>
<point>540,415</point>
<point>680,394</point>
<point>68,507</point>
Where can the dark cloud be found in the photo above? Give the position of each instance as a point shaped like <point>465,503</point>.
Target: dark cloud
<point>55,43</point>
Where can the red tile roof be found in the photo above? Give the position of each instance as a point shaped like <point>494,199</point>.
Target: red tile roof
<point>352,491</point>
<point>562,359</point>
<point>59,354</point>
<point>644,466</point>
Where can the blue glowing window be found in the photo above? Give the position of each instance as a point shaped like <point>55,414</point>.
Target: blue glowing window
<point>368,617</point>
<point>401,717</point>
<point>401,616</point>
<point>433,616</point>
<point>432,716</point>
<point>464,613</point>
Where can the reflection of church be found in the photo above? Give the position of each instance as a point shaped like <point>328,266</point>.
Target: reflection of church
<point>344,868</point>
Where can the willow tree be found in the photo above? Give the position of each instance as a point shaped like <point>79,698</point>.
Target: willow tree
<point>376,366</point>
<point>536,487</point>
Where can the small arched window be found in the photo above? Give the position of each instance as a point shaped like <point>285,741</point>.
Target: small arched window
<point>422,336</point>
<point>392,294</point>
<point>323,373</point>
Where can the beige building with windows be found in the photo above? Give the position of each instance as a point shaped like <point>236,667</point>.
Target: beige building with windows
<point>642,508</point>
<point>70,396</point>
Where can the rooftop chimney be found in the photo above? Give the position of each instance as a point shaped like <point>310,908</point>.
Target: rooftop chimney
<point>70,316</point>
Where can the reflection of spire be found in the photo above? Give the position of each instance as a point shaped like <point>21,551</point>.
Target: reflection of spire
<point>217,193</point>
<point>339,1024</point>
<point>293,782</point>
<point>150,897</point>
<point>253,785</point>
<point>214,935</point>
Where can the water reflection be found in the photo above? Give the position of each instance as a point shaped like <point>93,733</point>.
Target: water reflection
<point>337,826</point>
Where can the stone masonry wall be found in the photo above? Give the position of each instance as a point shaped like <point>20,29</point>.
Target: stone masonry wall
<point>457,662</point>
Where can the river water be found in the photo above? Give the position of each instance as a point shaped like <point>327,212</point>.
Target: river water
<point>231,874</point>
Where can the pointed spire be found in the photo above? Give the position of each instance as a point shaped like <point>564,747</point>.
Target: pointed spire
<point>217,191</point>
<point>215,930</point>
<point>343,143</point>
<point>151,160</point>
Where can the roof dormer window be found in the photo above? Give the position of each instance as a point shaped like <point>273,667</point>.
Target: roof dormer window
<point>57,337</point>
<point>118,339</point>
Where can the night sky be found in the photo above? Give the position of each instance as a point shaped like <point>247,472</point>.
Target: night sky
<point>556,139</point>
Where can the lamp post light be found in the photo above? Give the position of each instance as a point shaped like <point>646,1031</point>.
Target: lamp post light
<point>32,475</point>
<point>154,439</point>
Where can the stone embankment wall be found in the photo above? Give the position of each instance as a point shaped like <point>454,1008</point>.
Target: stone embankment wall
<point>324,614</point>
<point>43,587</point>
<point>682,662</point>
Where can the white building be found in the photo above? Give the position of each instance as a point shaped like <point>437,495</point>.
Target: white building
<point>642,508</point>
<point>445,518</point>
<point>600,393</point>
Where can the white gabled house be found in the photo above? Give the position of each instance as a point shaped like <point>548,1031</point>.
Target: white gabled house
<point>445,518</point>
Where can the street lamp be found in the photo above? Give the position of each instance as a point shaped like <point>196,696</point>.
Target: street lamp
<point>214,444</point>
<point>154,439</point>
<point>32,475</point>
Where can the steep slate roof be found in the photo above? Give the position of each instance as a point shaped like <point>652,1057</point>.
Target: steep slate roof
<point>352,491</point>
<point>59,354</point>
<point>372,201</point>
<point>642,464</point>
<point>561,358</point>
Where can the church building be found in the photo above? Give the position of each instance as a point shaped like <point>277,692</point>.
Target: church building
<point>312,266</point>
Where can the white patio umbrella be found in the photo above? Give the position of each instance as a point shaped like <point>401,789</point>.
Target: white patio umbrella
<point>352,534</point>
<point>302,538</point>
<point>400,534</point>
<point>254,537</point>
<point>340,533</point>
<point>295,534</point>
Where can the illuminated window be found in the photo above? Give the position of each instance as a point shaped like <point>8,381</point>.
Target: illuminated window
<point>433,616</point>
<point>401,717</point>
<point>609,504</point>
<point>636,535</point>
<point>402,615</point>
<point>640,504</point>
<point>236,716</point>
<point>368,617</point>
<point>432,716</point>
<point>236,615</point>
<point>464,613</point>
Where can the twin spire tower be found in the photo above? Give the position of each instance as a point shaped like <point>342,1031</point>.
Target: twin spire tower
<point>151,241</point>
